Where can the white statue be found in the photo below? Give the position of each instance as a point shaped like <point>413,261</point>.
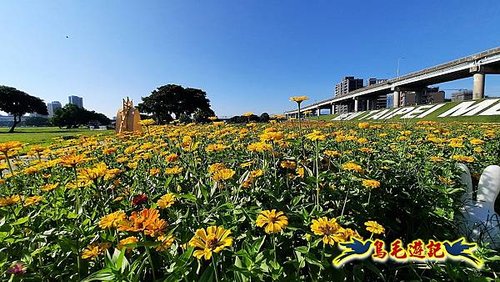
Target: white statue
<point>481,222</point>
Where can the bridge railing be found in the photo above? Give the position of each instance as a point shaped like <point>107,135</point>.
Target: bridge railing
<point>391,81</point>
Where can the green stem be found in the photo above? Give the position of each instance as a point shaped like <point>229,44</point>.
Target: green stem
<point>215,268</point>
<point>151,263</point>
<point>317,174</point>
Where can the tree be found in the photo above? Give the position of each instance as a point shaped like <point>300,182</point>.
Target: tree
<point>174,99</point>
<point>71,116</point>
<point>202,115</point>
<point>37,121</point>
<point>18,103</point>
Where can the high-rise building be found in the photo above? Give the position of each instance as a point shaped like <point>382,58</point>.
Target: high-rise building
<point>75,100</point>
<point>52,107</point>
<point>348,84</point>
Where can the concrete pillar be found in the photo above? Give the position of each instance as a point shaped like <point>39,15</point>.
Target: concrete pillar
<point>478,90</point>
<point>318,112</point>
<point>396,97</point>
<point>332,109</point>
<point>356,106</point>
<point>368,104</point>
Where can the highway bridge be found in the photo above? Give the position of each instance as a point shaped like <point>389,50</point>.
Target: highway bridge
<point>369,97</point>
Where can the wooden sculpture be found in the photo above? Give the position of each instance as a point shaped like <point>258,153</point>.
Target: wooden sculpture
<point>128,118</point>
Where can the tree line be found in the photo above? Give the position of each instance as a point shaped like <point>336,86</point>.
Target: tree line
<point>163,105</point>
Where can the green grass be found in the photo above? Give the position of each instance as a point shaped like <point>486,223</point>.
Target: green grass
<point>45,135</point>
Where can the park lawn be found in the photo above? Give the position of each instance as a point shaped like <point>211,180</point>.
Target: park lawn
<point>45,135</point>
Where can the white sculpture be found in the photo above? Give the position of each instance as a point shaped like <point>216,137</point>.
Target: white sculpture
<point>481,222</point>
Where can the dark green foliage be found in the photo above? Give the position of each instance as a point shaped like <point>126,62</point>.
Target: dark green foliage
<point>19,103</point>
<point>174,99</point>
<point>71,116</point>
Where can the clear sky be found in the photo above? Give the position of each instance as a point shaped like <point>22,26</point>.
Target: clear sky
<point>247,55</point>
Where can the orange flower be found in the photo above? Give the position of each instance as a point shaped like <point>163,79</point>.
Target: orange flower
<point>147,221</point>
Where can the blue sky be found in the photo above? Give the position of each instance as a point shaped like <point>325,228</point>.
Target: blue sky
<point>247,55</point>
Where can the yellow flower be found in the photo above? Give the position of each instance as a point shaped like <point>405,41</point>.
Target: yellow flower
<point>223,174</point>
<point>259,147</point>
<point>166,201</point>
<point>374,227</point>
<point>94,250</point>
<point>316,135</point>
<point>300,172</point>
<point>368,183</point>
<point>127,241</point>
<point>215,167</point>
<point>30,201</point>
<point>154,171</point>
<point>173,170</point>
<point>215,147</point>
<point>363,125</point>
<point>172,158</point>
<point>72,160</point>
<point>327,228</point>
<point>332,154</point>
<point>112,220</point>
<point>351,166</point>
<point>273,221</point>
<point>49,187</point>
<point>9,200</point>
<point>436,159</point>
<point>147,122</point>
<point>11,145</point>
<point>476,141</point>
<point>212,240</point>
<point>299,99</point>
<point>462,158</point>
<point>256,173</point>
<point>165,242</point>
<point>288,164</point>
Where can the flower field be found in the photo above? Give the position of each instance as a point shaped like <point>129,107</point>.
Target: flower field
<point>220,202</point>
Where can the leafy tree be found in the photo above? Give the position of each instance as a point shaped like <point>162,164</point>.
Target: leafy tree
<point>202,115</point>
<point>71,116</point>
<point>37,121</point>
<point>174,99</point>
<point>18,103</point>
<point>264,117</point>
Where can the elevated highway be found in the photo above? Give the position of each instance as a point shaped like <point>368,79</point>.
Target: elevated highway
<point>476,66</point>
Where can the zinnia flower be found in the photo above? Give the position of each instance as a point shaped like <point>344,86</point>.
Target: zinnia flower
<point>352,167</point>
<point>212,240</point>
<point>369,183</point>
<point>327,228</point>
<point>272,221</point>
<point>166,200</point>
<point>374,227</point>
<point>112,220</point>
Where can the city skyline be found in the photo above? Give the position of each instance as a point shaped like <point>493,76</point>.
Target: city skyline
<point>247,57</point>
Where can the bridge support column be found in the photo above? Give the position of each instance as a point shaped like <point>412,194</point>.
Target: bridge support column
<point>332,109</point>
<point>396,97</point>
<point>356,104</point>
<point>318,111</point>
<point>368,104</point>
<point>478,90</point>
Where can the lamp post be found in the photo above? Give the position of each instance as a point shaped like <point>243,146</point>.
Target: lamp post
<point>399,61</point>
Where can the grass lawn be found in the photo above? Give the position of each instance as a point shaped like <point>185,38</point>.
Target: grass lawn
<point>45,135</point>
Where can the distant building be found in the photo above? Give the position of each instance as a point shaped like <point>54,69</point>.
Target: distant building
<point>52,107</point>
<point>348,84</point>
<point>461,95</point>
<point>430,95</point>
<point>373,80</point>
<point>75,100</point>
